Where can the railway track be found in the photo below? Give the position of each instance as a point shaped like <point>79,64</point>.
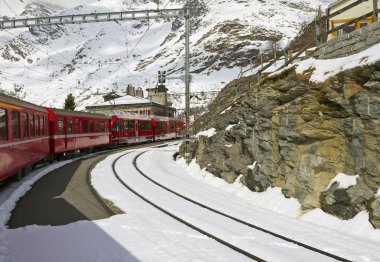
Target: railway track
<point>324,255</point>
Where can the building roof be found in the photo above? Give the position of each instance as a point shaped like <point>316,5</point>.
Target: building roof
<point>124,100</point>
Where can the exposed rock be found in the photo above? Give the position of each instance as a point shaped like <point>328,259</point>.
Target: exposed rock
<point>301,135</point>
<point>375,212</point>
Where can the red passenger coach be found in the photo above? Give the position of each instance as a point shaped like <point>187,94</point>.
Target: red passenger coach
<point>71,131</point>
<point>23,136</point>
<point>131,128</point>
<point>164,128</point>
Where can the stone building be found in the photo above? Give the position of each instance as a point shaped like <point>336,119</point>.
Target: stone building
<point>134,102</point>
<point>349,15</point>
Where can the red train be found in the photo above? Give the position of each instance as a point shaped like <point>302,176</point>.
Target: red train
<point>30,133</point>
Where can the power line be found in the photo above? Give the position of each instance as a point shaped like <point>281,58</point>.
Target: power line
<point>9,7</point>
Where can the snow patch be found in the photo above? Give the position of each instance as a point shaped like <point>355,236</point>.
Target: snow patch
<point>378,193</point>
<point>228,128</point>
<point>229,146</point>
<point>252,166</point>
<point>224,111</point>
<point>343,180</point>
<point>209,133</point>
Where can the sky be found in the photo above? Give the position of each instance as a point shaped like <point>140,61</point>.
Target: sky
<point>144,233</point>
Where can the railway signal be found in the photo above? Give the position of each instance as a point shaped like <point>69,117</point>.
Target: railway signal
<point>161,78</point>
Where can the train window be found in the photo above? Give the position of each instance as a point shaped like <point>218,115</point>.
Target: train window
<point>76,126</point>
<point>116,125</point>
<point>159,126</point>
<point>3,125</point>
<point>45,124</point>
<point>69,126</point>
<point>145,125</point>
<point>106,126</point>
<point>97,128</point>
<point>41,125</point>
<point>37,125</point>
<point>91,126</point>
<point>32,126</point>
<point>172,126</point>
<point>102,126</point>
<point>128,125</point>
<point>60,126</point>
<point>15,124</point>
<point>25,123</point>
<point>85,126</point>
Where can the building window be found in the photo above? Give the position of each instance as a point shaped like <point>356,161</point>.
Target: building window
<point>25,123</point>
<point>3,125</point>
<point>15,124</point>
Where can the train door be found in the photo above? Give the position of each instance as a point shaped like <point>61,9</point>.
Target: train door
<point>70,140</point>
<point>136,130</point>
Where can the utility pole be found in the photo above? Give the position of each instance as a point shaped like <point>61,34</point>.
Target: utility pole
<point>375,14</point>
<point>187,81</point>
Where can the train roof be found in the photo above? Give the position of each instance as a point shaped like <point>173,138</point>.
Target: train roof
<point>133,116</point>
<point>18,102</point>
<point>77,113</point>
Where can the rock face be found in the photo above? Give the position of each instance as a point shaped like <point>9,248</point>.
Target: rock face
<point>300,136</point>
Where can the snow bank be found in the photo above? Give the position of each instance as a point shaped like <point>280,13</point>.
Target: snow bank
<point>209,133</point>
<point>271,199</point>
<point>343,180</point>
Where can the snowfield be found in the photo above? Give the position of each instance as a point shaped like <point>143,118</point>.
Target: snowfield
<point>89,60</point>
<point>146,234</point>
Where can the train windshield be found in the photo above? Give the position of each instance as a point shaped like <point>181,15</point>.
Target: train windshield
<point>116,125</point>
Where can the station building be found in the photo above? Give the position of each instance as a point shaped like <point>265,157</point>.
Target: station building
<point>134,102</point>
<point>349,15</point>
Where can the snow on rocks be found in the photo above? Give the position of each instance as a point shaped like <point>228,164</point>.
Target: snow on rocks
<point>344,181</point>
<point>208,133</point>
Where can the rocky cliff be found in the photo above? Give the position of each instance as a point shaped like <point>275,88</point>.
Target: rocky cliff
<point>291,133</point>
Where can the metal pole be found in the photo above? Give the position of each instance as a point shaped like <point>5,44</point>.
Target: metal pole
<point>187,80</point>
<point>317,32</point>
<point>375,15</point>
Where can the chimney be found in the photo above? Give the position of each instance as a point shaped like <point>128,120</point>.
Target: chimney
<point>130,90</point>
<point>139,92</point>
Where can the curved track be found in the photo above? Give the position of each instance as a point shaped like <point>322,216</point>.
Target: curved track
<point>237,249</point>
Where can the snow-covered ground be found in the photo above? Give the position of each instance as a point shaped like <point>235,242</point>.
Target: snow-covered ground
<point>145,234</point>
<point>322,69</point>
<point>89,60</point>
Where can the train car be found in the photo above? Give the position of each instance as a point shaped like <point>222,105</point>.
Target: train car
<point>75,131</point>
<point>131,129</point>
<point>24,138</point>
<point>164,128</point>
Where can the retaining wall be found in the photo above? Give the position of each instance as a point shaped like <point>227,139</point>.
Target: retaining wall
<point>349,44</point>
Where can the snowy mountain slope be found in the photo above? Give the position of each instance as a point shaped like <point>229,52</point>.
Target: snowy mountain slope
<point>43,65</point>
